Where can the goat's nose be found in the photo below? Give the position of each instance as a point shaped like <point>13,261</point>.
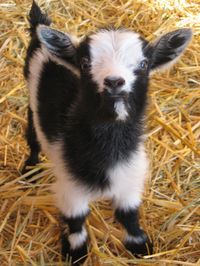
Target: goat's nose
<point>114,82</point>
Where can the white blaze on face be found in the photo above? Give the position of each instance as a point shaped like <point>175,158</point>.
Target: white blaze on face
<point>115,53</point>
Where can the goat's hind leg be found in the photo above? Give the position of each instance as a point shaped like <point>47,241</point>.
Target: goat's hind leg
<point>33,144</point>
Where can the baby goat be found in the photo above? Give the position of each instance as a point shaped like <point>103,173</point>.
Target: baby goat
<point>87,103</point>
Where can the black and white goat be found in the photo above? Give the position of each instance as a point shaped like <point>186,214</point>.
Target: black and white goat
<point>87,103</point>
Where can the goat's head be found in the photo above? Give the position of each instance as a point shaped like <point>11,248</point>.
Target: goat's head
<point>116,64</point>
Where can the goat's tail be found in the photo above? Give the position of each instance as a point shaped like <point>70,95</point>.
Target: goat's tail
<point>36,17</point>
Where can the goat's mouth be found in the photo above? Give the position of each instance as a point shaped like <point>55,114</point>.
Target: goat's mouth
<point>119,97</point>
<point>116,96</point>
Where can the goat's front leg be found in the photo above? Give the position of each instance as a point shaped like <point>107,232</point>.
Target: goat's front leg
<point>72,201</point>
<point>74,239</point>
<point>136,239</point>
<point>128,193</point>
<point>127,213</point>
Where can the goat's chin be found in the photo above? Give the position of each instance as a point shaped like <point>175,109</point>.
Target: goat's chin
<point>111,106</point>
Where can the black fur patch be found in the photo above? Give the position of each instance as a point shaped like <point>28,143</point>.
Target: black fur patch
<point>130,220</point>
<point>33,144</point>
<point>57,91</point>
<point>75,224</point>
<point>32,139</point>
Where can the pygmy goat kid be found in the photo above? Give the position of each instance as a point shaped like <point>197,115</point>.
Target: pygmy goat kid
<point>87,103</point>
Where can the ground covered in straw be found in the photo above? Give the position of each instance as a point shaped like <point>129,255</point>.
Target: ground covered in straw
<point>29,231</point>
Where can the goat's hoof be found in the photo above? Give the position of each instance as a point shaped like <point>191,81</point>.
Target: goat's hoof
<point>76,256</point>
<point>139,245</point>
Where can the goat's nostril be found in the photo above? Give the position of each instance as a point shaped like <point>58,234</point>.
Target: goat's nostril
<point>120,82</point>
<point>114,82</point>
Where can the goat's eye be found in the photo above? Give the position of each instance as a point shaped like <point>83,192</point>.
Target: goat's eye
<point>143,64</point>
<point>85,63</point>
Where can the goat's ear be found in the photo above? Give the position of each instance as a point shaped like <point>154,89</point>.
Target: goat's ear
<point>56,42</point>
<point>167,49</point>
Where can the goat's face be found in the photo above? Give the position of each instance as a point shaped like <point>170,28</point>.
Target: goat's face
<point>116,64</point>
<point>115,57</point>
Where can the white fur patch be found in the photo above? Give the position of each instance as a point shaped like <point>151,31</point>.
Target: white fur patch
<point>35,68</point>
<point>127,180</point>
<point>39,58</point>
<point>115,53</point>
<point>135,239</point>
<point>72,199</point>
<point>121,110</point>
<point>76,240</point>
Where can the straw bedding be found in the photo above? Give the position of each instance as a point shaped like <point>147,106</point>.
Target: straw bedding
<point>29,231</point>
